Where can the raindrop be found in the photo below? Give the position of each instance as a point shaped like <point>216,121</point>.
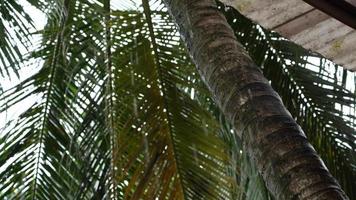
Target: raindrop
<point>147,155</point>
<point>249,93</point>
<point>195,155</point>
<point>135,107</point>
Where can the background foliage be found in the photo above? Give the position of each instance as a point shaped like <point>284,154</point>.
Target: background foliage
<point>120,112</point>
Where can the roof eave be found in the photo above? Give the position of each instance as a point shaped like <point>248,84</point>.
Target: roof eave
<point>340,10</point>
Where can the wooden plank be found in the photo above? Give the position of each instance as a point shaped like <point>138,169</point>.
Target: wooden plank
<point>270,13</point>
<point>342,50</point>
<point>300,23</point>
<point>339,9</point>
<point>304,25</point>
<point>323,33</point>
<point>332,39</point>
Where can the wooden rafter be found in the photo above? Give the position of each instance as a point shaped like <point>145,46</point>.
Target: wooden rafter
<point>344,11</point>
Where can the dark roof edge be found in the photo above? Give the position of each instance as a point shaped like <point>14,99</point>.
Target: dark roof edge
<point>339,9</point>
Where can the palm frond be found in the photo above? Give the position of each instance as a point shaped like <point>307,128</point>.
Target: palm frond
<point>39,140</point>
<point>15,36</point>
<point>163,143</point>
<point>169,151</point>
<point>121,112</point>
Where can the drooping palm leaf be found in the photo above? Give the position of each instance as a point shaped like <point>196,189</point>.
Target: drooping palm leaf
<point>174,154</point>
<point>150,130</point>
<point>167,145</point>
<point>16,26</point>
<point>39,140</point>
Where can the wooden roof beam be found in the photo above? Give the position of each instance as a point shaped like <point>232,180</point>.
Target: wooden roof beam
<point>344,11</point>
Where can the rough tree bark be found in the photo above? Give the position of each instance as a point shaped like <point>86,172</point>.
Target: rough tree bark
<point>288,163</point>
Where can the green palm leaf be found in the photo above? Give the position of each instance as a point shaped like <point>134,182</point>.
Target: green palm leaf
<point>15,35</point>
<point>121,112</point>
<point>162,144</point>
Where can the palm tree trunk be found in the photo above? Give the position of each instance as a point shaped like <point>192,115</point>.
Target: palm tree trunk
<point>288,163</point>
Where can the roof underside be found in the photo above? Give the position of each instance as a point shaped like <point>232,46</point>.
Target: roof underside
<point>308,26</point>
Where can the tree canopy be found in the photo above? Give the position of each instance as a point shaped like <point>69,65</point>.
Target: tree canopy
<point>119,111</point>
